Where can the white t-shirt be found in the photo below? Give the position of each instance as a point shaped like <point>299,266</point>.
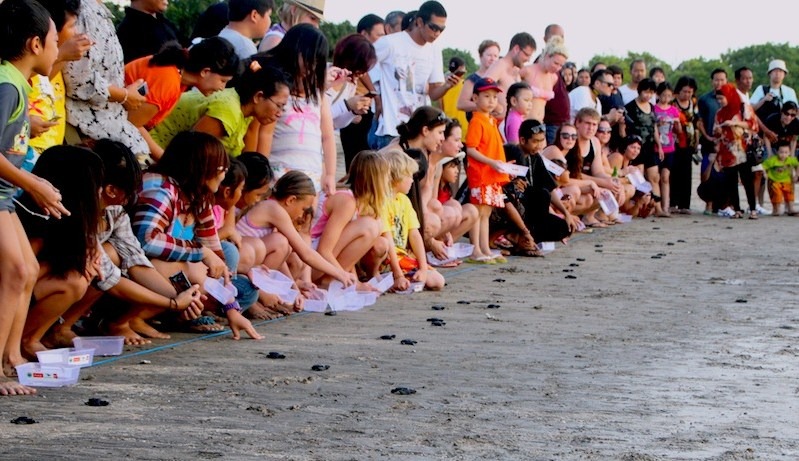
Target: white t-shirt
<point>627,94</point>
<point>579,98</point>
<point>785,92</point>
<point>404,69</point>
<point>244,46</point>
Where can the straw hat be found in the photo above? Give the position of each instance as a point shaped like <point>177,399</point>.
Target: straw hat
<point>315,7</point>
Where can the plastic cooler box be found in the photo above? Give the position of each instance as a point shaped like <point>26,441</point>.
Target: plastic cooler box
<point>65,356</point>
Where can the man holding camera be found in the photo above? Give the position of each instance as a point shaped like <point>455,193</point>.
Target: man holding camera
<point>768,99</point>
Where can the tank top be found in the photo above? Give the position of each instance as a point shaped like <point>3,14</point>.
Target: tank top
<point>588,160</point>
<point>297,140</point>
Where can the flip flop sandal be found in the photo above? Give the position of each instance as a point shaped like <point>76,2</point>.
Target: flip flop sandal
<point>502,242</point>
<point>480,260</point>
<point>202,325</point>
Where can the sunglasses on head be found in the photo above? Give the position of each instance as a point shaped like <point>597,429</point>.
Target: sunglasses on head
<point>538,129</point>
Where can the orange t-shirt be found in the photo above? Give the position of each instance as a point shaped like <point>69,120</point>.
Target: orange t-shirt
<point>164,87</point>
<point>483,135</point>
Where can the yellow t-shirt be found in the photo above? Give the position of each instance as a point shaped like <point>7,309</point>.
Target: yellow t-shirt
<point>400,218</point>
<point>449,104</point>
<point>47,100</point>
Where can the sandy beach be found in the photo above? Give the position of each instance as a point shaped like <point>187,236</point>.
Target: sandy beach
<point>690,356</point>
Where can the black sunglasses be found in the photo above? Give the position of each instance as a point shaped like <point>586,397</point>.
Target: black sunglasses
<point>435,27</point>
<point>538,129</point>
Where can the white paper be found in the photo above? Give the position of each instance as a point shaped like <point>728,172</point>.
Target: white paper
<point>556,170</point>
<point>513,169</point>
<point>637,180</point>
<point>608,203</point>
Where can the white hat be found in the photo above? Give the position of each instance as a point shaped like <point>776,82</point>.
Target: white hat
<point>446,160</point>
<point>777,64</point>
<point>315,7</point>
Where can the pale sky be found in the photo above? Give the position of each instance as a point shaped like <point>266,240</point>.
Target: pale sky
<point>723,25</point>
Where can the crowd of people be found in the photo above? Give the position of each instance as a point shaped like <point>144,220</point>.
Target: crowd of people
<point>137,165</point>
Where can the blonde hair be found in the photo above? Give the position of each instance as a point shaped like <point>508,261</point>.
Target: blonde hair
<point>368,180</point>
<point>400,165</point>
<point>555,46</point>
<point>291,13</point>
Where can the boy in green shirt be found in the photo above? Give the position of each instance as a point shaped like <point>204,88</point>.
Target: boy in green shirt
<point>781,172</point>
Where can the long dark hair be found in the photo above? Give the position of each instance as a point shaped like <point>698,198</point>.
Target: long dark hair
<point>120,167</point>
<point>67,242</point>
<point>304,44</point>
<point>191,159</point>
<point>425,116</point>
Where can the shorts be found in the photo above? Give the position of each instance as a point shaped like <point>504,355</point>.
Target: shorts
<point>648,157</point>
<point>668,161</point>
<point>780,192</point>
<point>489,194</point>
<point>7,202</point>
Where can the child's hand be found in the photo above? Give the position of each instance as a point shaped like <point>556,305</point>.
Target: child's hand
<point>400,284</point>
<point>75,48</point>
<point>216,265</point>
<point>39,126</point>
<point>346,278</point>
<point>238,322</point>
<point>420,276</point>
<point>299,303</point>
<point>438,248</point>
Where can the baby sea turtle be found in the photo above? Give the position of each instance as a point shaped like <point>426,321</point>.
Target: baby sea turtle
<point>403,390</point>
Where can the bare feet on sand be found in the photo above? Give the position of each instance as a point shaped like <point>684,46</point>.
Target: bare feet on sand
<point>59,337</point>
<point>11,387</point>
<point>258,312</point>
<point>145,329</point>
<point>30,348</point>
<point>131,337</point>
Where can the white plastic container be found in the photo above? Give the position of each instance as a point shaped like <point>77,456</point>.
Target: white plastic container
<point>102,345</point>
<point>289,296</point>
<point>513,169</point>
<point>223,294</point>
<point>38,375</point>
<point>65,356</point>
<point>382,282</point>
<point>271,281</point>
<point>316,301</point>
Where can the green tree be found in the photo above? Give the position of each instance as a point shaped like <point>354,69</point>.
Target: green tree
<point>471,65</point>
<point>117,12</point>
<point>757,57</point>
<point>624,62</point>
<point>184,13</point>
<point>335,32</point>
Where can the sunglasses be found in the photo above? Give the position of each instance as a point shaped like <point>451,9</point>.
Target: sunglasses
<point>538,129</point>
<point>789,114</point>
<point>604,130</point>
<point>610,84</point>
<point>568,136</point>
<point>435,27</point>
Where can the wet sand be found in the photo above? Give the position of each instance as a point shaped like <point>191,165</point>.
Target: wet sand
<point>635,359</point>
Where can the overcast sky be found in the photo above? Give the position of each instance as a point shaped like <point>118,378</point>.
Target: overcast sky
<point>713,29</point>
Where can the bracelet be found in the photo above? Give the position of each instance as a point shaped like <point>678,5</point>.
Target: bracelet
<point>232,306</point>
<point>126,97</point>
<point>173,304</point>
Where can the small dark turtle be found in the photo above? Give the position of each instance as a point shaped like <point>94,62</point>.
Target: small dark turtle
<point>499,280</point>
<point>568,270</point>
<point>655,228</point>
<point>94,402</point>
<point>493,306</point>
<point>657,257</point>
<point>438,308</point>
<point>464,302</point>
<point>434,319</point>
<point>388,337</point>
<point>275,355</point>
<point>403,390</point>
<point>331,313</point>
<point>581,259</point>
<point>571,276</point>
<point>320,367</point>
<point>671,244</point>
<point>408,342</point>
<point>574,265</point>
<point>598,245</point>
<point>26,420</point>
<point>438,324</point>
<point>741,301</point>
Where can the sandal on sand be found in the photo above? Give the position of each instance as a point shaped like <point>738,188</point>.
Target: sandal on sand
<point>203,325</point>
<point>502,242</point>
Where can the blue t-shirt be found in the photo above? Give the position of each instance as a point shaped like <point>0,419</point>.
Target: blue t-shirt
<point>708,106</point>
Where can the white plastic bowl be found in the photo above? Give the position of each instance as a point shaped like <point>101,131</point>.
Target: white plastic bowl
<point>66,356</point>
<point>102,345</point>
<point>38,375</point>
<point>223,294</point>
<point>271,281</point>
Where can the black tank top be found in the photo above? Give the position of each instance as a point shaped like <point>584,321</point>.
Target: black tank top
<point>588,160</point>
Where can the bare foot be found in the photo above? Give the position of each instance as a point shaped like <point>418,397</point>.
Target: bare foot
<point>30,348</point>
<point>10,367</point>
<point>11,387</point>
<point>259,312</point>
<point>60,337</point>
<point>145,329</point>
<point>131,337</point>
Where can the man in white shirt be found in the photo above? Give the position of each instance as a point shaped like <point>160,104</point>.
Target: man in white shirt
<point>637,73</point>
<point>584,96</point>
<point>410,70</point>
<point>768,99</point>
<point>249,19</point>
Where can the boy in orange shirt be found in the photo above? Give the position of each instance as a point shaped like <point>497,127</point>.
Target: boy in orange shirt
<point>484,172</point>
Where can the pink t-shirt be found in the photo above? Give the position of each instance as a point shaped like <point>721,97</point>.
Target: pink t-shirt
<point>219,216</point>
<point>666,118</point>
<point>512,123</point>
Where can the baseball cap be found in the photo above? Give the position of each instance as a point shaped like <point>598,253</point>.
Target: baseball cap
<point>446,160</point>
<point>485,84</point>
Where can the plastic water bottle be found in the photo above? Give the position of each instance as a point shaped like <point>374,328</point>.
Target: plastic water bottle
<point>697,157</point>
